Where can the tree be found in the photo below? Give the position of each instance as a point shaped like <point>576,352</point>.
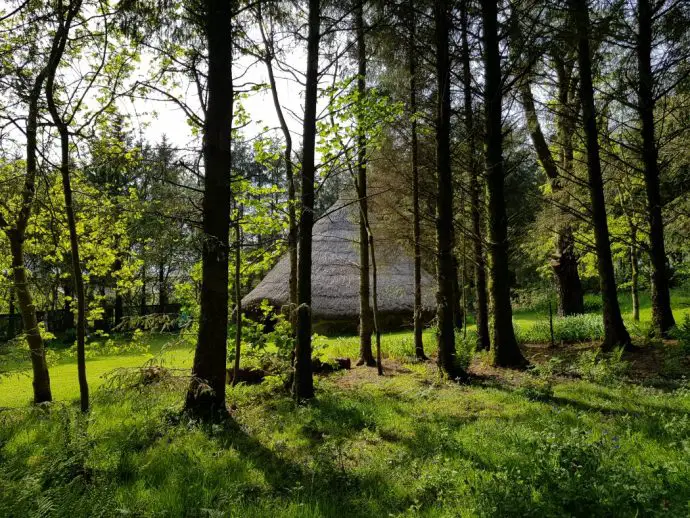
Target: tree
<point>481,296</point>
<point>65,21</point>
<point>416,218</point>
<point>303,387</point>
<point>504,348</point>
<point>615,333</point>
<point>366,356</point>
<point>445,271</point>
<point>662,316</point>
<point>206,393</point>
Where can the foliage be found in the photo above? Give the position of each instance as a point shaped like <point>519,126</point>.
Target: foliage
<point>575,328</point>
<point>593,365</point>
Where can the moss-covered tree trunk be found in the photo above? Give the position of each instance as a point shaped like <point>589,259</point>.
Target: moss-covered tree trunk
<point>504,348</point>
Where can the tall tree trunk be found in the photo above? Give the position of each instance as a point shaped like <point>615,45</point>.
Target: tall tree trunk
<point>416,225</point>
<point>366,356</point>
<point>481,298</point>
<point>662,316</point>
<point>303,387</point>
<point>238,296</point>
<point>287,156</point>
<point>206,394</point>
<point>564,262</point>
<point>444,209</point>
<point>77,275</point>
<point>504,348</point>
<point>615,333</point>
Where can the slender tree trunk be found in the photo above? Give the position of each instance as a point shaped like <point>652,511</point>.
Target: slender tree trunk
<point>287,156</point>
<point>142,300</point>
<point>162,288</point>
<point>206,394</point>
<point>416,225</point>
<point>377,329</point>
<point>444,208</point>
<point>303,387</point>
<point>41,378</point>
<point>504,348</point>
<point>77,275</point>
<point>119,303</point>
<point>615,333</point>
<point>366,356</point>
<point>238,296</point>
<point>634,281</point>
<point>662,316</point>
<point>481,298</point>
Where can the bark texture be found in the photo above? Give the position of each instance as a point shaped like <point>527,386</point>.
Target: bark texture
<point>303,386</point>
<point>615,333</point>
<point>206,394</point>
<point>504,348</point>
<point>662,316</point>
<point>445,269</point>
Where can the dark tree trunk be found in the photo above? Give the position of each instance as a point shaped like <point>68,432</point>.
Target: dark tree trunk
<point>206,394</point>
<point>142,300</point>
<point>504,348</point>
<point>634,281</point>
<point>303,387</point>
<point>615,333</point>
<point>162,288</point>
<point>366,356</point>
<point>457,293</point>
<point>564,261</point>
<point>481,298</point>
<point>662,316</point>
<point>444,208</point>
<point>77,275</point>
<point>416,226</point>
<point>119,303</point>
<point>564,264</point>
<point>68,317</point>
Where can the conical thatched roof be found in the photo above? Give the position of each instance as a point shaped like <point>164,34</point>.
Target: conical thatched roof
<point>335,274</point>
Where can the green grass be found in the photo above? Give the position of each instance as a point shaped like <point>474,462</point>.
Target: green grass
<point>402,445</point>
<point>577,436</point>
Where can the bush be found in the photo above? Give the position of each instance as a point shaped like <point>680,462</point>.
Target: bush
<point>595,366</point>
<point>465,348</point>
<point>575,328</point>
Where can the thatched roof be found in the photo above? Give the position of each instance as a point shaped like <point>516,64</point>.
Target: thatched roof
<point>335,272</point>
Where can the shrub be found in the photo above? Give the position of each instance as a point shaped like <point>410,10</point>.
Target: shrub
<point>575,328</point>
<point>595,366</point>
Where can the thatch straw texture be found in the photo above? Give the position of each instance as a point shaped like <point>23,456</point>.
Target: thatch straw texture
<point>335,273</point>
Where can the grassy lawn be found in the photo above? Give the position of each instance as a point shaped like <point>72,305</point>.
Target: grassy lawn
<point>576,436</point>
<point>405,444</point>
